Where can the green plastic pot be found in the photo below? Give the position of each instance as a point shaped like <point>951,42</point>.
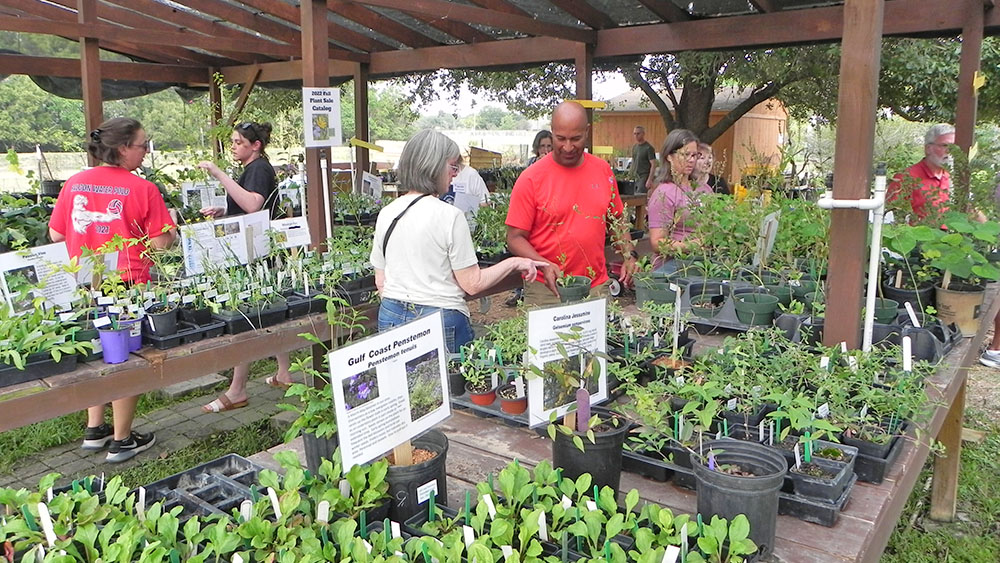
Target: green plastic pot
<point>802,287</point>
<point>653,289</point>
<point>574,288</point>
<point>782,292</point>
<point>886,310</point>
<point>701,305</point>
<point>756,309</point>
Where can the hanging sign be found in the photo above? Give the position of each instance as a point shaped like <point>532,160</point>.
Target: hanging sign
<point>321,112</point>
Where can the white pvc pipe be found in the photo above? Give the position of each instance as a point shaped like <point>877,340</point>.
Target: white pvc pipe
<point>874,257</point>
<point>327,214</point>
<point>826,201</point>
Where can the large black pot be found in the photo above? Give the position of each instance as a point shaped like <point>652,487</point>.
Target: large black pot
<point>602,459</point>
<point>919,298</point>
<point>317,449</point>
<point>729,495</point>
<point>405,480</point>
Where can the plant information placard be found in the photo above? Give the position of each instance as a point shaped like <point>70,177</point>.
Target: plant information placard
<point>198,195</point>
<point>291,232</point>
<point>321,113</point>
<point>25,274</point>
<point>563,343</point>
<point>224,242</point>
<point>389,387</point>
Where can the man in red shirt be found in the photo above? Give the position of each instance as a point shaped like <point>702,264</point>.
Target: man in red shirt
<point>559,207</point>
<point>926,184</point>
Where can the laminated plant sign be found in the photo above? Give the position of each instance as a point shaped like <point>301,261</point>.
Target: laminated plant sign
<point>290,233</point>
<point>765,238</point>
<point>565,345</point>
<point>36,272</point>
<point>389,388</point>
<point>209,193</point>
<point>321,112</point>
<point>371,185</point>
<point>224,242</point>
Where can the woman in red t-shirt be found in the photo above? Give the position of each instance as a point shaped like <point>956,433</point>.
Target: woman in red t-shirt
<point>93,207</point>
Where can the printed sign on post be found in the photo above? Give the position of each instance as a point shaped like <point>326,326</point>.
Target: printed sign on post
<point>389,388</point>
<point>26,274</point>
<point>562,344</point>
<point>321,110</point>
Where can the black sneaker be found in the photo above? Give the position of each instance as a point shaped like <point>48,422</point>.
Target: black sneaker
<point>122,450</point>
<point>515,297</point>
<point>96,438</point>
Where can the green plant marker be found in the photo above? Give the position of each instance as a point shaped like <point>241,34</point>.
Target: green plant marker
<point>489,480</point>
<point>677,427</point>
<point>559,476</point>
<point>364,524</point>
<point>499,357</point>
<point>29,519</point>
<point>534,495</point>
<point>807,450</point>
<point>325,535</point>
<point>467,502</point>
<point>386,534</point>
<point>725,427</point>
<point>174,556</point>
<point>423,549</point>
<point>430,508</point>
<point>777,429</point>
<point>607,550</point>
<point>579,541</point>
<point>565,546</point>
<point>701,525</point>
<point>75,485</point>
<point>254,494</point>
<point>596,495</point>
<point>308,475</point>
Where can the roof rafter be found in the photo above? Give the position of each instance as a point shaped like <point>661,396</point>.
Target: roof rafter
<point>584,12</point>
<point>381,24</point>
<point>482,16</point>
<point>501,6</point>
<point>666,10</point>
<point>338,33</point>
<point>110,70</point>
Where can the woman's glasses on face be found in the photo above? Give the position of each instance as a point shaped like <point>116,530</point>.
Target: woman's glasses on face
<point>145,145</point>
<point>688,155</point>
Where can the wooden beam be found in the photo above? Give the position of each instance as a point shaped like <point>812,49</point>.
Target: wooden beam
<point>479,55</point>
<point>241,101</point>
<point>55,66</point>
<point>666,10</point>
<point>589,15</point>
<point>361,129</point>
<point>279,72</point>
<point>972,48</point>
<point>461,31</point>
<point>944,489</point>
<point>380,24</point>
<point>764,5</point>
<point>482,16</point>
<point>315,74</point>
<point>857,102</point>
<point>502,6</point>
<point>584,62</point>
<point>148,36</point>
<point>90,72</point>
<point>335,32</point>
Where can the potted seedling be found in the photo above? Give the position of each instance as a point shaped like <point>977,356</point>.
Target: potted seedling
<point>481,378</point>
<point>589,440</point>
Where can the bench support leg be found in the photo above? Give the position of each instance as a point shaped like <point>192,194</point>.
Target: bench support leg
<point>944,493</point>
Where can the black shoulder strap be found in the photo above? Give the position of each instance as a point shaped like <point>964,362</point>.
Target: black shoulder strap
<point>392,226</point>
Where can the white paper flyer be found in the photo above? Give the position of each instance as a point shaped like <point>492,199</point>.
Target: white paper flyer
<point>26,274</point>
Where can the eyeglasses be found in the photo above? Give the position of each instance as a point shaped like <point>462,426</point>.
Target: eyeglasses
<point>454,168</point>
<point>145,146</point>
<point>688,155</point>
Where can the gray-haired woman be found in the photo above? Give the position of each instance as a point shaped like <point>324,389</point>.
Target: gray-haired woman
<point>423,253</point>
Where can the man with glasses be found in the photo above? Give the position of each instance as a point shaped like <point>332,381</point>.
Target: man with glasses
<point>643,161</point>
<point>926,184</point>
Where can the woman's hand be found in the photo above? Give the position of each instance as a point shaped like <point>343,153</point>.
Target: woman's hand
<point>529,267</point>
<point>212,168</point>
<point>212,211</point>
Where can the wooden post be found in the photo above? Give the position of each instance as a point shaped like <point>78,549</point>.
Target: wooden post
<point>965,110</point>
<point>215,100</point>
<point>944,492</point>
<point>403,454</point>
<point>315,74</point>
<point>852,170</point>
<point>90,72</point>
<point>584,84</point>
<point>362,159</point>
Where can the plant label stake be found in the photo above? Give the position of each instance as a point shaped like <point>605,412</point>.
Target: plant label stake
<point>273,496</point>
<point>237,558</point>
<point>899,279</point>
<point>403,454</point>
<point>823,411</point>
<point>345,488</point>
<point>711,460</point>
<point>824,363</point>
<point>670,555</point>
<point>798,458</point>
<point>469,534</point>
<point>507,551</point>
<point>912,314</point>
<point>394,526</point>
<point>684,542</point>
<point>566,502</point>
<point>807,448</point>
<point>656,340</point>
<point>907,354</point>
<point>677,313</point>
<point>140,506</point>
<point>543,533</point>
<point>323,512</point>
<point>46,520</point>
<point>490,507</point>
<point>761,436</point>
<point>771,438</point>
<point>582,409</point>
<point>519,386</point>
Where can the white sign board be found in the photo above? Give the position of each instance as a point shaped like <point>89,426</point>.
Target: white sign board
<point>321,112</point>
<point>36,272</point>
<point>203,194</point>
<point>290,233</point>
<point>389,388</point>
<point>765,238</point>
<point>371,185</point>
<point>581,330</point>
<point>224,242</point>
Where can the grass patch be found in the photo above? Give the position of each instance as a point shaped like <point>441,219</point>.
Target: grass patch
<point>975,536</point>
<point>245,441</point>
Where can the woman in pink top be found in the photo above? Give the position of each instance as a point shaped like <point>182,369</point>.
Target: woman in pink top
<point>668,228</point>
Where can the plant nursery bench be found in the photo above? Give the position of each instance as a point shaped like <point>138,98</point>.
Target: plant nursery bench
<point>479,446</point>
<point>94,383</point>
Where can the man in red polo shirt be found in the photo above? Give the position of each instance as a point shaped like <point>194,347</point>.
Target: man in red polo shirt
<point>559,207</point>
<point>926,184</point>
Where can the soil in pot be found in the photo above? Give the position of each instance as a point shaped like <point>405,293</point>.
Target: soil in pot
<point>483,394</point>
<point>510,403</point>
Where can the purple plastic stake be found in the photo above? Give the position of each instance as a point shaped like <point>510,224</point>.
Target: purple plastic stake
<point>582,409</point>
<point>711,460</point>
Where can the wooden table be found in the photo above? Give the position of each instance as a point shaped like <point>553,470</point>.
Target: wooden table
<point>95,383</point>
<point>637,202</point>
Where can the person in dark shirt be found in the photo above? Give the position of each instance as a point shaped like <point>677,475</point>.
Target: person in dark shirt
<point>643,161</point>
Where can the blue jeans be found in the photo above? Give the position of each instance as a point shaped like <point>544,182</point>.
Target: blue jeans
<point>457,328</point>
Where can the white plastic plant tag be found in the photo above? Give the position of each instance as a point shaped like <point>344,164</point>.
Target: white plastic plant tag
<point>148,295</point>
<point>65,316</point>
<point>507,551</point>
<point>39,554</point>
<point>115,310</point>
<point>728,390</point>
<point>237,558</point>
<point>46,521</point>
<point>656,340</point>
<point>495,376</point>
<point>843,347</point>
<point>96,294</point>
<point>718,435</point>
<point>222,298</point>
<point>671,554</point>
<point>274,502</point>
<point>519,386</point>
<point>591,505</point>
<point>135,330</point>
<point>267,290</point>
<point>731,404</point>
<point>394,528</point>
<point>323,512</point>
<point>246,510</point>
<point>469,535</point>
<point>674,287</point>
<point>243,295</point>
<point>140,505</point>
<point>211,293</point>
<point>105,300</point>
<point>48,494</point>
<point>798,458</point>
<point>187,299</point>
<point>679,380</point>
<point>490,507</point>
<point>907,354</point>
<point>566,502</point>
<point>492,355</point>
<point>909,311</point>
<point>102,322</point>
<point>684,538</point>
<point>824,363</point>
<point>794,283</point>
<point>204,286</point>
<point>771,438</point>
<point>852,363</point>
<point>306,283</point>
<point>823,411</point>
<point>864,411</point>
<point>345,488</point>
<point>368,546</point>
<point>543,531</point>
<point>761,432</point>
<point>424,491</point>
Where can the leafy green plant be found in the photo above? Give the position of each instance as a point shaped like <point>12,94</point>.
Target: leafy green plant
<point>722,543</point>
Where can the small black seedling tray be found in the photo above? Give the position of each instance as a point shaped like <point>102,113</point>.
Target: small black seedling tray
<point>813,510</point>
<point>650,467</point>
<point>357,296</point>
<point>36,369</point>
<point>237,323</point>
<point>217,486</point>
<point>874,469</point>
<point>300,305</point>
<point>186,334</point>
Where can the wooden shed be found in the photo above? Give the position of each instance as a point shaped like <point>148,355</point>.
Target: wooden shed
<point>758,134</point>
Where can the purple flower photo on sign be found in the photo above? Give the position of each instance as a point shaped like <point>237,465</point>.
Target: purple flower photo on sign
<point>360,389</point>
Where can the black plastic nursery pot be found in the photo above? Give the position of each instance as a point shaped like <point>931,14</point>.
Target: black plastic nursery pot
<point>194,316</point>
<point>161,319</point>
<point>405,480</point>
<point>756,309</point>
<point>729,495</point>
<point>602,459</point>
<point>829,486</point>
<point>919,298</point>
<point>576,288</point>
<point>317,449</point>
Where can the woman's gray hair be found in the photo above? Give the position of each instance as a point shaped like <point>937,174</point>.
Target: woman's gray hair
<point>936,131</point>
<point>674,141</point>
<point>424,159</point>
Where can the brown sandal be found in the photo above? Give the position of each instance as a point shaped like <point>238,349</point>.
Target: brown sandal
<point>222,404</point>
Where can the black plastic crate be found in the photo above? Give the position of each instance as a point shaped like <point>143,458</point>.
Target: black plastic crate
<point>814,510</point>
<point>186,334</point>
<point>300,305</point>
<point>217,486</point>
<point>236,322</point>
<point>37,367</point>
